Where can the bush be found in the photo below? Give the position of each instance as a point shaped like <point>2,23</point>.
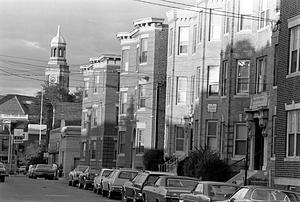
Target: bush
<point>206,165</point>
<point>152,158</point>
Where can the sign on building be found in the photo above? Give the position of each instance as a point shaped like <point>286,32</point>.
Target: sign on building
<point>212,108</point>
<point>18,136</point>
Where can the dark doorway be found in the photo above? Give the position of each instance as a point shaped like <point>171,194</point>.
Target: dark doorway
<point>258,147</point>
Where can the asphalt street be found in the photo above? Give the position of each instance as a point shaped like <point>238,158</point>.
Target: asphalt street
<point>22,189</point>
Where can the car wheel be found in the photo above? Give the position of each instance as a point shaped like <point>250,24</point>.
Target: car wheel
<point>94,190</point>
<point>103,192</point>
<point>109,195</point>
<point>85,186</point>
<point>98,191</point>
<point>70,183</point>
<point>124,198</point>
<point>73,183</point>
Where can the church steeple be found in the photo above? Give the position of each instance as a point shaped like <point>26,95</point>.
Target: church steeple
<point>58,69</point>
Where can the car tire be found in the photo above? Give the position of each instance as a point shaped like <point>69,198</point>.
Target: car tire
<point>103,192</point>
<point>73,183</point>
<point>110,195</point>
<point>99,191</point>
<point>70,183</point>
<point>94,190</point>
<point>85,187</point>
<point>124,198</point>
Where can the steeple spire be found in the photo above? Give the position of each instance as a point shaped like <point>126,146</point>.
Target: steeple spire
<point>58,30</point>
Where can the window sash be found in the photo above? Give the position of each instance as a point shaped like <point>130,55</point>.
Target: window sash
<point>194,38</point>
<point>125,60</point>
<point>214,27</point>
<point>144,50</point>
<point>171,41</point>
<point>183,40</point>
<point>122,142</point>
<point>240,139</point>
<point>142,98</point>
<point>140,141</point>
<point>192,89</point>
<point>181,90</point>
<point>224,78</point>
<point>260,75</point>
<point>123,106</point>
<point>200,25</point>
<point>243,67</point>
<point>211,135</point>
<point>213,80</point>
<point>263,14</point>
<point>227,19</point>
<point>179,142</point>
<point>168,90</point>
<point>294,49</point>
<point>245,10</point>
<point>293,134</point>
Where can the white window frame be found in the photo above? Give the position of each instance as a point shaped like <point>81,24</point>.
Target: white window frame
<point>238,78</point>
<point>261,68</point>
<point>86,89</point>
<point>194,42</point>
<point>224,78</point>
<point>123,102</point>
<point>211,82</point>
<point>171,38</point>
<point>181,92</point>
<point>125,60</point>
<point>293,128</point>
<point>211,136</point>
<point>236,139</point>
<point>144,50</point>
<point>227,19</point>
<point>181,42</point>
<point>95,118</point>
<point>200,27</point>
<point>244,13</point>
<point>294,46</point>
<point>179,138</point>
<point>142,96</point>
<point>192,92</point>
<point>121,142</point>
<point>264,14</point>
<point>215,22</point>
<point>93,149</point>
<point>96,82</point>
<point>140,139</point>
<point>169,83</point>
<point>198,76</point>
<point>83,150</point>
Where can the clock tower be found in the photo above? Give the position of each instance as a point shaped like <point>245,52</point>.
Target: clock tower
<point>57,71</point>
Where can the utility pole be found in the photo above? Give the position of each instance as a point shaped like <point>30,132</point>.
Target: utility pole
<point>41,117</point>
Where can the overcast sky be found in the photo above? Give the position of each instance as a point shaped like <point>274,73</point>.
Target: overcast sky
<point>88,26</point>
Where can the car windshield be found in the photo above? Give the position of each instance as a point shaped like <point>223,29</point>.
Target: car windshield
<point>181,183</point>
<point>81,168</point>
<point>44,166</point>
<point>127,175</point>
<point>221,190</point>
<point>106,173</point>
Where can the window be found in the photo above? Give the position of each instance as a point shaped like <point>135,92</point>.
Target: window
<point>171,41</point>
<point>183,40</point>
<point>214,26</point>
<point>142,96</point>
<point>275,65</point>
<point>179,138</point>
<point>198,75</point>
<point>93,145</point>
<point>140,141</point>
<point>96,81</point>
<point>245,11</point>
<point>192,89</point>
<point>138,58</point>
<point>86,89</point>
<point>83,149</point>
<point>125,60</point>
<point>122,142</point>
<point>181,90</point>
<point>95,117</point>
<point>293,135</point>
<point>227,19</point>
<point>273,136</point>
<point>194,38</point>
<point>123,107</point>
<point>277,9</point>
<point>243,67</point>
<point>144,50</point>
<point>54,52</point>
<point>211,134</point>
<point>294,49</point>
<point>85,120</point>
<point>224,77</point>
<point>200,25</point>
<point>169,90</point>
<point>213,80</point>
<point>263,13</point>
<point>261,75</point>
<point>240,139</point>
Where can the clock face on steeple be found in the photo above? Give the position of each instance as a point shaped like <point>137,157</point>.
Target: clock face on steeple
<point>52,79</point>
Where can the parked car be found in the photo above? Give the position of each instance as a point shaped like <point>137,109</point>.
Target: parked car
<point>132,190</point>
<point>22,169</point>
<point>207,191</point>
<point>74,174</point>
<point>30,170</point>
<point>86,179</point>
<point>113,184</point>
<point>46,171</point>
<point>263,194</point>
<point>2,172</point>
<point>168,188</point>
<point>104,173</point>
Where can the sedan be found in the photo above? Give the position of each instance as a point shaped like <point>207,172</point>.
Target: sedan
<point>113,184</point>
<point>86,179</point>
<point>207,191</point>
<point>263,194</point>
<point>169,188</point>
<point>46,171</point>
<point>74,174</point>
<point>132,190</point>
<point>104,173</point>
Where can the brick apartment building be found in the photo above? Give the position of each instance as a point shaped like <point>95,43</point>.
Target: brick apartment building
<point>100,111</point>
<point>224,84</point>
<point>142,90</point>
<point>287,147</point>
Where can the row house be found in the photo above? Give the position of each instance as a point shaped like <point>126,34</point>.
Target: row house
<point>142,90</point>
<point>221,86</point>
<point>287,154</point>
<point>100,111</point>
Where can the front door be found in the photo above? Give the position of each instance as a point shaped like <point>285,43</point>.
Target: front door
<point>258,147</point>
